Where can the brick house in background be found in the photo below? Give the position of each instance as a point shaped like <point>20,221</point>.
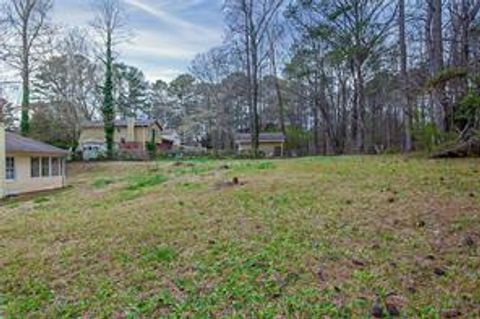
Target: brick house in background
<point>131,137</point>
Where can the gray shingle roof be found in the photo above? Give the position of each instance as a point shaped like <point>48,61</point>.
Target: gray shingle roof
<point>15,143</point>
<point>121,123</point>
<point>263,137</point>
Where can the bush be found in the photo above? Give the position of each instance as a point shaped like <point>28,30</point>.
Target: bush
<point>151,148</point>
<point>298,141</point>
<point>468,110</point>
<point>428,137</point>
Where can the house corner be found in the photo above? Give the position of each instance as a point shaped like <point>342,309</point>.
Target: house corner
<point>2,160</point>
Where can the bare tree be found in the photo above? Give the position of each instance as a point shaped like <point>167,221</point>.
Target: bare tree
<point>435,48</point>
<point>351,31</point>
<point>462,17</point>
<point>27,37</point>
<point>110,24</point>
<point>404,77</point>
<point>273,38</point>
<point>211,68</point>
<point>67,82</point>
<point>361,27</point>
<point>249,20</point>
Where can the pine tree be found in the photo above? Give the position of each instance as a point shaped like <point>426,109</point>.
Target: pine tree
<point>131,91</point>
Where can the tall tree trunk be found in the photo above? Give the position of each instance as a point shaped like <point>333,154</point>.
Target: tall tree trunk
<point>253,33</point>
<point>386,120</point>
<point>255,93</point>
<point>252,72</point>
<point>324,108</point>
<point>281,112</point>
<point>407,145</point>
<point>316,129</point>
<point>463,13</point>
<point>24,120</point>
<point>108,103</point>
<point>316,116</point>
<point>360,106</point>
<point>353,115</point>
<point>344,127</point>
<point>436,65</point>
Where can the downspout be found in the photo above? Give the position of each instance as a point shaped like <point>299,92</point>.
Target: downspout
<point>64,172</point>
<point>3,191</point>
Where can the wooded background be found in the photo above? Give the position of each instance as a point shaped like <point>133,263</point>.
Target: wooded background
<point>337,77</point>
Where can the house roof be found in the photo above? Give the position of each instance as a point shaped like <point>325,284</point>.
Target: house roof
<point>263,137</point>
<point>15,143</point>
<point>122,123</point>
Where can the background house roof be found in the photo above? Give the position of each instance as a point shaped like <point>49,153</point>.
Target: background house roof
<point>263,137</point>
<point>15,143</point>
<point>122,123</point>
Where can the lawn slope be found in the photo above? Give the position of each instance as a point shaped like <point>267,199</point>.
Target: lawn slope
<point>304,238</point>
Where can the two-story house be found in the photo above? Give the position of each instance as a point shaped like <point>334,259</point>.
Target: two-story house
<point>131,137</point>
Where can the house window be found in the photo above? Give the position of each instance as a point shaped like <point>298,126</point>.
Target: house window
<point>10,168</point>
<point>55,166</point>
<point>35,167</point>
<point>45,166</point>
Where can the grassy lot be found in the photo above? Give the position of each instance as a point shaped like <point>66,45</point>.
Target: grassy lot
<point>305,238</point>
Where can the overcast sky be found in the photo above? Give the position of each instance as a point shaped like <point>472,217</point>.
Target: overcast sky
<point>167,33</point>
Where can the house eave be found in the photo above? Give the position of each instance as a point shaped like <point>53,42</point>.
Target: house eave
<point>36,154</point>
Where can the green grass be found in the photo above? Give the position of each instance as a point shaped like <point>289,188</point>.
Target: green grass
<point>266,165</point>
<point>143,181</point>
<point>302,238</point>
<point>246,166</point>
<point>40,200</point>
<point>102,182</point>
<point>159,254</point>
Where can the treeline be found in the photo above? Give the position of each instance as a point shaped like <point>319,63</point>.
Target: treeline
<point>347,76</point>
<point>337,77</point>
